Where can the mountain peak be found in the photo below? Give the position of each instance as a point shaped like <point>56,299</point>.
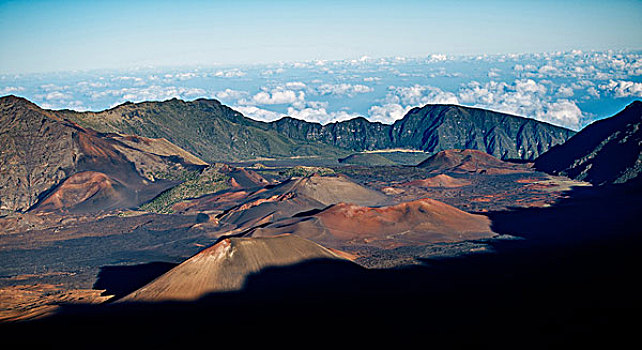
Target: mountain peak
<point>605,152</point>
<point>13,99</point>
<point>227,265</point>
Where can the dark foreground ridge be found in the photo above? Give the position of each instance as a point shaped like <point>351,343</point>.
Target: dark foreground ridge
<point>605,152</point>
<point>571,281</point>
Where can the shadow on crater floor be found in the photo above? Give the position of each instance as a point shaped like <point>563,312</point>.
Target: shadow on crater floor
<point>122,280</point>
<point>571,281</point>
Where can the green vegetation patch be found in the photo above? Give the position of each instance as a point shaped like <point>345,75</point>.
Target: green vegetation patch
<point>302,171</point>
<point>194,185</point>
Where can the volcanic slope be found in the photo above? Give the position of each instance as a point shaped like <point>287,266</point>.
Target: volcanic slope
<point>468,161</point>
<point>607,151</point>
<point>212,179</point>
<point>411,223</point>
<point>206,128</point>
<point>215,132</point>
<point>441,180</point>
<point>43,155</point>
<point>299,195</point>
<point>226,266</point>
<point>332,189</point>
<point>85,191</point>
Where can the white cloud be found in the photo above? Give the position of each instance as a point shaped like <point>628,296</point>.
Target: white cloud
<point>232,73</point>
<point>150,93</point>
<point>529,86</point>
<point>295,85</point>
<point>85,85</point>
<point>399,100</point>
<point>58,95</point>
<point>50,87</point>
<point>276,97</point>
<point>592,91</point>
<point>256,113</point>
<point>182,76</point>
<point>548,70</point>
<point>387,113</point>
<point>524,97</point>
<point>229,94</point>
<point>419,95</point>
<point>10,90</point>
<point>437,58</point>
<point>269,72</point>
<point>561,112</point>
<point>343,89</point>
<point>565,91</point>
<point>622,88</point>
<point>135,80</point>
<point>494,72</point>
<point>545,86</point>
<point>581,84</point>
<point>320,115</point>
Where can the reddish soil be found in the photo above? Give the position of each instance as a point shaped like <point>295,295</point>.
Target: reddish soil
<point>441,180</point>
<point>418,222</point>
<point>347,221</point>
<point>226,265</point>
<point>216,201</point>
<point>469,161</point>
<point>26,302</point>
<point>82,187</point>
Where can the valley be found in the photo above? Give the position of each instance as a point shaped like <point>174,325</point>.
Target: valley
<point>123,224</point>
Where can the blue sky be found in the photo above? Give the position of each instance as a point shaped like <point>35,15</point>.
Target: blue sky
<point>564,62</point>
<point>43,36</point>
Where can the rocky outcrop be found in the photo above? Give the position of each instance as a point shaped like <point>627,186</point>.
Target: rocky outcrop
<point>215,132</point>
<point>608,151</point>
<point>41,151</point>
<point>434,128</point>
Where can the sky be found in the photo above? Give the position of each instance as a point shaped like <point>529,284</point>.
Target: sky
<point>45,36</point>
<point>564,62</point>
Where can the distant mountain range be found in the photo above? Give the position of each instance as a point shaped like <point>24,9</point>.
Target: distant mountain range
<point>609,151</point>
<point>215,132</point>
<point>127,155</point>
<point>435,128</point>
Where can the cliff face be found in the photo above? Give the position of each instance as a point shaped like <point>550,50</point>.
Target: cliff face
<point>215,132</point>
<point>40,151</point>
<point>606,152</point>
<point>435,128</point>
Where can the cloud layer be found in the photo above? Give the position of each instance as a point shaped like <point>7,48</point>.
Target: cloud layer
<point>564,88</point>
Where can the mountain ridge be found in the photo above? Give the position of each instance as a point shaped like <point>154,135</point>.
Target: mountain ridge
<point>215,132</point>
<point>434,128</point>
<point>204,127</point>
<point>608,151</point>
